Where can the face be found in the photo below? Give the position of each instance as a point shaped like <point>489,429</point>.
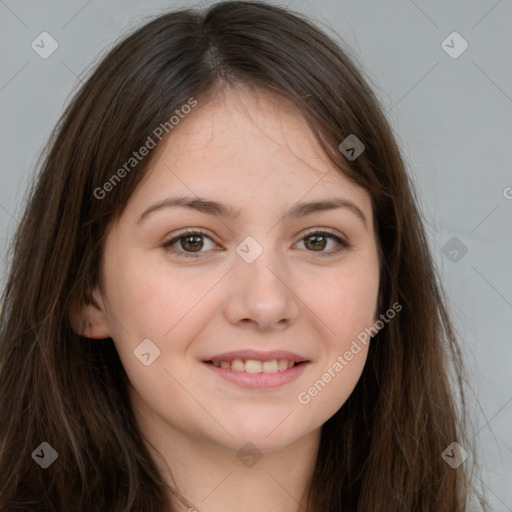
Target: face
<point>242,249</point>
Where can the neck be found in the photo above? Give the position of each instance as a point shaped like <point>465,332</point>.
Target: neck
<point>215,478</point>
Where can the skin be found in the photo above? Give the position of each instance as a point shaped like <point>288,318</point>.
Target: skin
<point>254,152</point>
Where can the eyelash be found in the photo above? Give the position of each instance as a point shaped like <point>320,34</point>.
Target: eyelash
<point>342,244</point>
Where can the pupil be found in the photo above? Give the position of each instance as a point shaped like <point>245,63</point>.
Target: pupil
<point>318,242</point>
<point>195,245</point>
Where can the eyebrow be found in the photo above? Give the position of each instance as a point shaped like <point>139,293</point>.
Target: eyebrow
<point>224,210</point>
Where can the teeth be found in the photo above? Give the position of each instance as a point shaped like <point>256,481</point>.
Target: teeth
<point>270,366</point>
<point>237,365</point>
<point>254,366</point>
<point>283,364</point>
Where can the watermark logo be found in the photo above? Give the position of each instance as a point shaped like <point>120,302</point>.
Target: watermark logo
<point>249,455</point>
<point>351,147</point>
<point>454,455</point>
<point>249,249</point>
<point>147,352</point>
<point>454,45</point>
<point>44,45</point>
<point>45,455</point>
<point>454,249</point>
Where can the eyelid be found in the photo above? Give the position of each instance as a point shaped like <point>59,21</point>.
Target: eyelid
<point>322,231</point>
<point>190,232</point>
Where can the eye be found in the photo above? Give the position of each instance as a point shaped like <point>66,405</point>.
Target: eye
<point>318,241</point>
<point>189,244</point>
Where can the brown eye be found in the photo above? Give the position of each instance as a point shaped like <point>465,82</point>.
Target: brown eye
<point>191,243</point>
<point>319,241</point>
<point>316,242</point>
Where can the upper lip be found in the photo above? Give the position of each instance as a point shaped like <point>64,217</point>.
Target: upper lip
<point>258,356</point>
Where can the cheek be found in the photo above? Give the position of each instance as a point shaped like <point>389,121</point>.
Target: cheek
<point>149,300</point>
<point>346,302</point>
<point>343,357</point>
<point>326,393</point>
<point>346,306</point>
<point>167,307</point>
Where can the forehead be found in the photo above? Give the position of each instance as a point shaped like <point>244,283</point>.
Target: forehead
<point>246,125</point>
<point>246,147</point>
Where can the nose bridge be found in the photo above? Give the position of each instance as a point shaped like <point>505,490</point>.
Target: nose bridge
<point>258,266</point>
<point>262,290</point>
<point>262,274</point>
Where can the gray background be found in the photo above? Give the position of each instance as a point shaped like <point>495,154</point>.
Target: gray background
<point>452,117</point>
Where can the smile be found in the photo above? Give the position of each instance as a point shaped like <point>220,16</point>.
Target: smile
<point>255,366</point>
<point>261,375</point>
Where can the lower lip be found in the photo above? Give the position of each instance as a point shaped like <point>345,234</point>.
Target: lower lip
<point>259,380</point>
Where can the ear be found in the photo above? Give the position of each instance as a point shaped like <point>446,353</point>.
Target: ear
<point>89,318</point>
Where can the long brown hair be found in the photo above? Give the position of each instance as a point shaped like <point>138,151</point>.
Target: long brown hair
<point>382,450</point>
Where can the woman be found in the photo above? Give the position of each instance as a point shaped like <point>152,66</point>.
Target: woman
<point>221,294</point>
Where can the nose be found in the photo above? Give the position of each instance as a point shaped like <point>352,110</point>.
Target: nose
<point>261,294</point>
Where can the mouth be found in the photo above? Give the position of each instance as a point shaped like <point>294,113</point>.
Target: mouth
<point>255,370</point>
<point>255,365</point>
